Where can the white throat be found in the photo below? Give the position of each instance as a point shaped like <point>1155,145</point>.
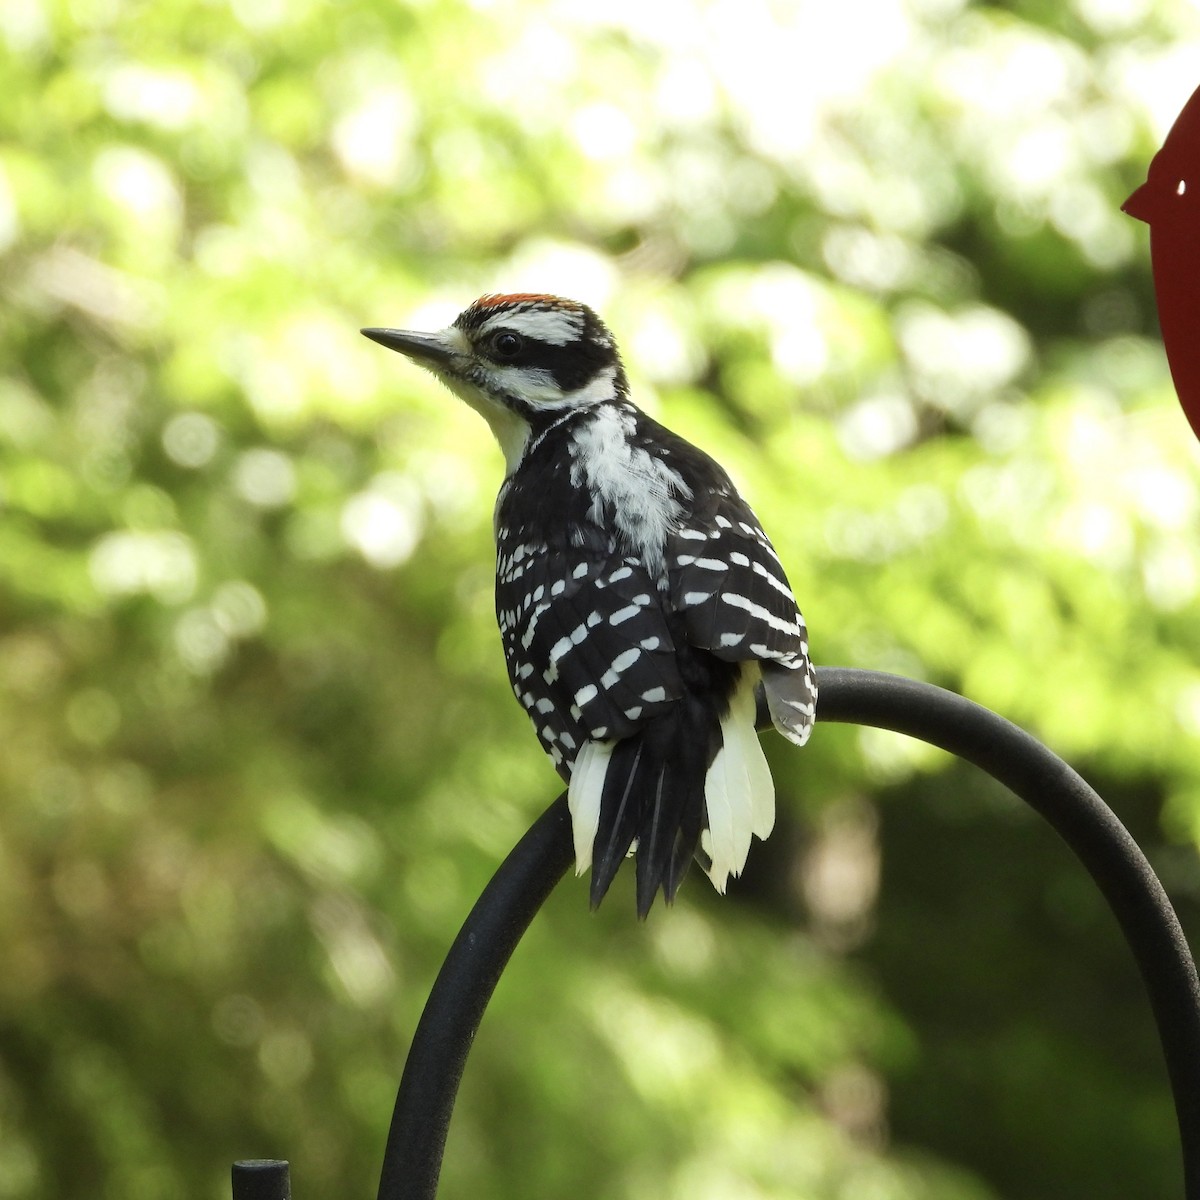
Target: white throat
<point>510,430</point>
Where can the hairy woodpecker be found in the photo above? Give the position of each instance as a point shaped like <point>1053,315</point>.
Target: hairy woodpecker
<point>640,603</point>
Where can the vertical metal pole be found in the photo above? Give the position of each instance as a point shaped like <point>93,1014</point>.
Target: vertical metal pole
<point>261,1179</point>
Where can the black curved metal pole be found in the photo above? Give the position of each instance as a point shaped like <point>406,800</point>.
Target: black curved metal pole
<point>503,912</point>
<point>421,1118</point>
<point>1088,826</point>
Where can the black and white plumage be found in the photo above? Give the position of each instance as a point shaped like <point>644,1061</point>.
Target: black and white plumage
<point>640,603</point>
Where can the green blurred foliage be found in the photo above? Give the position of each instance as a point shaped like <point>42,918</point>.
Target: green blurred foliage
<point>259,753</point>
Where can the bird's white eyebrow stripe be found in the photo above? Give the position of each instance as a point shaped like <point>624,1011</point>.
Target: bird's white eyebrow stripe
<point>557,326</point>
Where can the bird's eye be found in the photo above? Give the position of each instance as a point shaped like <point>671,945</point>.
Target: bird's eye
<point>507,344</point>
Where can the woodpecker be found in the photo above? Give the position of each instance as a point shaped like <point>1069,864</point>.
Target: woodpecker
<point>640,603</point>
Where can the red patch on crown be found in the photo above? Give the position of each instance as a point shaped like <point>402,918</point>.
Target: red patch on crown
<point>499,301</point>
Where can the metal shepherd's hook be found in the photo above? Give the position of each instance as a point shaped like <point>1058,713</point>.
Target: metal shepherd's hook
<point>481,951</point>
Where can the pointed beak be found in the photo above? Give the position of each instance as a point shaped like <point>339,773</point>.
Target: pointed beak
<point>429,349</point>
<point>1140,204</point>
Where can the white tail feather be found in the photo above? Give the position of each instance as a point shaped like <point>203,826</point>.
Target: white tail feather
<point>762,790</point>
<point>721,794</point>
<point>583,798</point>
<point>738,789</point>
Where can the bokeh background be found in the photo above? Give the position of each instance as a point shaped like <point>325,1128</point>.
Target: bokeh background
<point>257,750</point>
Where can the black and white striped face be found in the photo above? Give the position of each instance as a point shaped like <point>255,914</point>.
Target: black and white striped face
<point>519,360</point>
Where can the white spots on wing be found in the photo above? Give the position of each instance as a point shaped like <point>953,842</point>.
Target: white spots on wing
<point>650,643</point>
<point>759,613</point>
<point>704,564</point>
<point>778,584</point>
<point>620,573</point>
<point>621,663</point>
<point>766,545</point>
<point>580,571</point>
<point>693,598</point>
<point>511,564</point>
<point>729,639</point>
<point>639,601</point>
<point>634,712</point>
<point>531,627</point>
<point>567,642</point>
<point>586,693</point>
<point>694,535</point>
<point>626,659</point>
<point>655,695</point>
<point>623,614</point>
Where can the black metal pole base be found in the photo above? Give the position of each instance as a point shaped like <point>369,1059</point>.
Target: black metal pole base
<point>503,912</point>
<point>261,1179</point>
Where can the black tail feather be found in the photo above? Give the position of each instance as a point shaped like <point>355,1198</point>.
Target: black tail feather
<point>687,844</point>
<point>673,797</point>
<point>620,814</point>
<point>654,795</point>
<point>649,856</point>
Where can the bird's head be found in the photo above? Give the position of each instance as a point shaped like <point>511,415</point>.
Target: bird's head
<point>1171,194</point>
<point>521,361</point>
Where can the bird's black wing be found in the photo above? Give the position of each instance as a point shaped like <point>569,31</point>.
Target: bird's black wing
<point>731,589</point>
<point>589,652</point>
<point>728,581</point>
